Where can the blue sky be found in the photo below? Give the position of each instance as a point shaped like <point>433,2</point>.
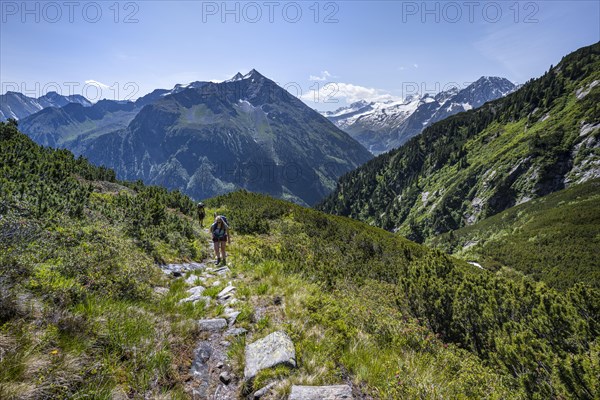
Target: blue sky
<point>331,52</point>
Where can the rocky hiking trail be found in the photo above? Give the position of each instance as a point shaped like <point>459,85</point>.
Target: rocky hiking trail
<point>212,373</point>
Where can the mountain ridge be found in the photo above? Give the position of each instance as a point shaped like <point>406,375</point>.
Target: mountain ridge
<point>382,126</point>
<point>16,105</point>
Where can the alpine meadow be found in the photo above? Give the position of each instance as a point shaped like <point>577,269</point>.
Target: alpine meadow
<point>385,211</point>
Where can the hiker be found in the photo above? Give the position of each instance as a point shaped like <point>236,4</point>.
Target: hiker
<point>201,213</point>
<point>220,238</point>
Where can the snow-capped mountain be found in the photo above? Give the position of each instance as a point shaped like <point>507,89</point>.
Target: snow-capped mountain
<point>382,126</point>
<point>485,89</point>
<point>16,105</point>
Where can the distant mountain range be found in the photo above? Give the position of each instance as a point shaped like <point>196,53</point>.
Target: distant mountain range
<point>382,126</point>
<point>16,105</point>
<point>73,125</point>
<point>208,138</point>
<point>170,136</point>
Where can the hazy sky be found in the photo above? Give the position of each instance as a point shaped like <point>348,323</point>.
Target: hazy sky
<point>373,50</point>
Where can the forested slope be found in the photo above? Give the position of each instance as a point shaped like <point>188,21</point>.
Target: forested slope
<point>554,238</point>
<point>470,166</point>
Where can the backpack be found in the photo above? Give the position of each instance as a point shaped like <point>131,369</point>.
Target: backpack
<point>224,218</point>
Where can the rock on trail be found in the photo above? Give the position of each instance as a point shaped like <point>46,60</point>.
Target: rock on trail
<point>270,351</point>
<point>335,392</point>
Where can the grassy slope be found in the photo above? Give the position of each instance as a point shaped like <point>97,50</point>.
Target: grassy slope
<point>80,316</point>
<point>78,313</point>
<point>341,307</point>
<point>399,317</point>
<point>555,238</point>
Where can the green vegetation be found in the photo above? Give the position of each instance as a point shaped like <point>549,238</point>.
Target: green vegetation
<point>407,322</point>
<point>86,313</point>
<point>475,164</point>
<point>79,316</point>
<point>554,238</point>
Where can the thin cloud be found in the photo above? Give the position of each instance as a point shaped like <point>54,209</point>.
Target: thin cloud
<point>325,75</point>
<point>403,68</point>
<point>334,92</point>
<point>100,85</point>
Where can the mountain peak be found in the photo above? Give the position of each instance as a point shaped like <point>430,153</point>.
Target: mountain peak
<point>492,83</point>
<point>253,74</point>
<point>239,77</point>
<point>236,77</point>
<point>493,80</point>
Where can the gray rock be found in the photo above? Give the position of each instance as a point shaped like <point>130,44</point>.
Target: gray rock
<point>261,392</point>
<point>204,299</point>
<point>336,392</point>
<point>228,310</point>
<point>232,318</point>
<point>215,324</point>
<point>231,315</point>
<point>200,370</point>
<point>236,332</point>
<point>196,290</point>
<point>193,266</point>
<point>161,290</point>
<point>226,293</point>
<point>228,301</point>
<point>196,295</point>
<point>195,298</point>
<point>179,269</point>
<point>270,351</point>
<point>192,279</point>
<point>222,271</point>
